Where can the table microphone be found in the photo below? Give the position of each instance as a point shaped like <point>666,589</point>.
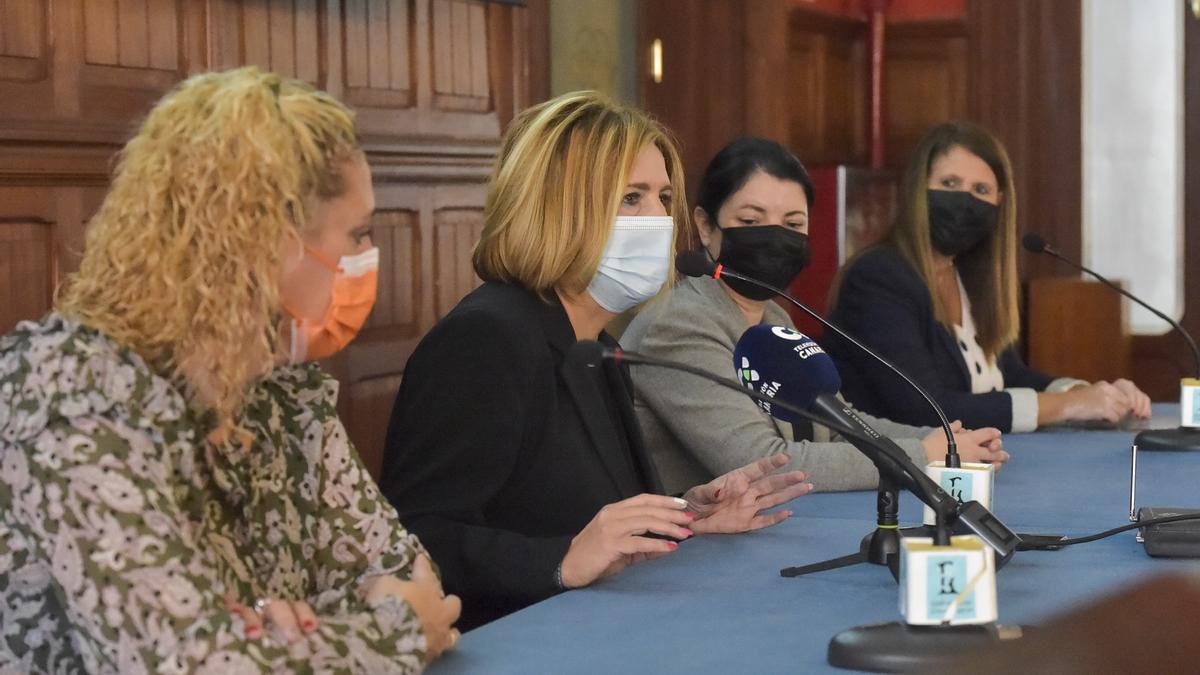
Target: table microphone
<point>878,646</point>
<point>898,465</point>
<point>698,264</point>
<point>1181,438</point>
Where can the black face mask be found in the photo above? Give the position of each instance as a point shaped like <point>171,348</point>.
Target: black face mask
<point>772,254</point>
<point>958,220</point>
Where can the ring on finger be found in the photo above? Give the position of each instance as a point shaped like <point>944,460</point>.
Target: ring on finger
<point>260,604</point>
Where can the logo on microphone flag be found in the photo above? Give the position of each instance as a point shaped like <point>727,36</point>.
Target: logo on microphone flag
<point>748,374</point>
<point>787,333</point>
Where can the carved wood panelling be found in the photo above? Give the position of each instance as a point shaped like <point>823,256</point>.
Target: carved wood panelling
<point>132,33</point>
<point>26,270</point>
<point>377,54</point>
<point>825,64</point>
<point>283,36</point>
<point>23,36</point>
<point>399,241</point>
<point>455,232</point>
<point>460,44</point>
<point>925,82</point>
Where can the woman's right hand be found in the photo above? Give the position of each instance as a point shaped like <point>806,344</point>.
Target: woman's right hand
<point>423,592</point>
<point>612,541</point>
<point>1096,401</point>
<point>973,445</point>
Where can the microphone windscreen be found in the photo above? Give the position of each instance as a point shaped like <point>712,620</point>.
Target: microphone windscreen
<point>695,264</point>
<point>1033,242</point>
<point>785,365</point>
<point>586,352</point>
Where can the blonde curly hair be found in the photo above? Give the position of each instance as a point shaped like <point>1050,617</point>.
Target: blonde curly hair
<point>181,260</point>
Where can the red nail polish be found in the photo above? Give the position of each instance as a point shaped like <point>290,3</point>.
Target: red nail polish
<point>689,532</point>
<point>252,631</point>
<point>690,515</point>
<point>672,545</point>
<point>309,624</point>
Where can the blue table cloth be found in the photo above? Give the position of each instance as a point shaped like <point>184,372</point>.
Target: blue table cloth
<point>718,604</point>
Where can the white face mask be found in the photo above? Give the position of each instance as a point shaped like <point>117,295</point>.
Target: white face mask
<point>636,262</point>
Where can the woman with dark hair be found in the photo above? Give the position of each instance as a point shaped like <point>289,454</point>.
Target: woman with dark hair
<point>939,298</point>
<point>752,215</point>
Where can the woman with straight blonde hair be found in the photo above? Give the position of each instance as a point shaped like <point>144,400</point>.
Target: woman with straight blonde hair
<point>938,297</point>
<point>517,460</point>
<point>177,493</point>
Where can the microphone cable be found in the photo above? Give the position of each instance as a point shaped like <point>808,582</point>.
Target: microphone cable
<point>1054,545</point>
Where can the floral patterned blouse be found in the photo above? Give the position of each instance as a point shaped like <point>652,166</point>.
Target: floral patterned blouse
<point>122,532</point>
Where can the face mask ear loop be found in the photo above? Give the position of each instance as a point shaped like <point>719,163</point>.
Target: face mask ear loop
<point>712,224</point>
<point>294,235</point>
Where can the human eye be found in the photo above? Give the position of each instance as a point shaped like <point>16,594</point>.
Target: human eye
<point>363,234</point>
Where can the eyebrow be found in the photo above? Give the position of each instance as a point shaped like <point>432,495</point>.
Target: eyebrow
<point>763,211</point>
<point>646,186</point>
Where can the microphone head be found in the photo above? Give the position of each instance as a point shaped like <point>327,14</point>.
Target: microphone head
<point>586,352</point>
<point>695,264</point>
<point>785,365</point>
<point>1033,242</point>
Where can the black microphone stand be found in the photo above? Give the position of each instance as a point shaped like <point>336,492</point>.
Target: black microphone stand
<point>894,646</point>
<point>882,545</point>
<point>1179,438</point>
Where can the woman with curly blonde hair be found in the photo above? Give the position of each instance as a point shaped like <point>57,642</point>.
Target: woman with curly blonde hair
<point>176,490</point>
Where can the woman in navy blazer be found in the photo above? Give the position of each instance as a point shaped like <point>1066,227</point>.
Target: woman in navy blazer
<point>938,297</point>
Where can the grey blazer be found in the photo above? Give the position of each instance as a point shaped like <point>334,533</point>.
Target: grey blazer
<point>695,431</point>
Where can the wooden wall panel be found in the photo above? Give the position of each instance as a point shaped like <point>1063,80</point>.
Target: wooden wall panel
<point>24,55</point>
<point>1026,85</point>
<point>1057,307</point>
<point>283,36</point>
<point>925,82</point>
<point>26,269</point>
<point>455,232</point>
<point>378,53</point>
<point>398,237</point>
<point>827,64</point>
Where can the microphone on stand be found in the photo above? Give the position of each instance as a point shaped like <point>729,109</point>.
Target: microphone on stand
<point>1180,438</point>
<point>796,404</point>
<point>885,646</point>
<point>698,264</point>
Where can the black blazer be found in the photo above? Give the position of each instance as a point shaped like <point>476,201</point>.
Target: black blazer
<point>885,305</point>
<point>503,445</point>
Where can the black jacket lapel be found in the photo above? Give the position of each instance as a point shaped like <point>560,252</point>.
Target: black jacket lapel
<point>581,383</point>
<point>622,388</point>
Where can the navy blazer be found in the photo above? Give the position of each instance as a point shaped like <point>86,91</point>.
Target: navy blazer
<point>503,445</point>
<point>885,305</point>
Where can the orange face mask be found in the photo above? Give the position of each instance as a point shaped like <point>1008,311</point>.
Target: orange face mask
<point>354,284</point>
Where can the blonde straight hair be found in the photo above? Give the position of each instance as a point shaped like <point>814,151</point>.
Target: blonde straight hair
<point>181,260</point>
<point>556,187</point>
